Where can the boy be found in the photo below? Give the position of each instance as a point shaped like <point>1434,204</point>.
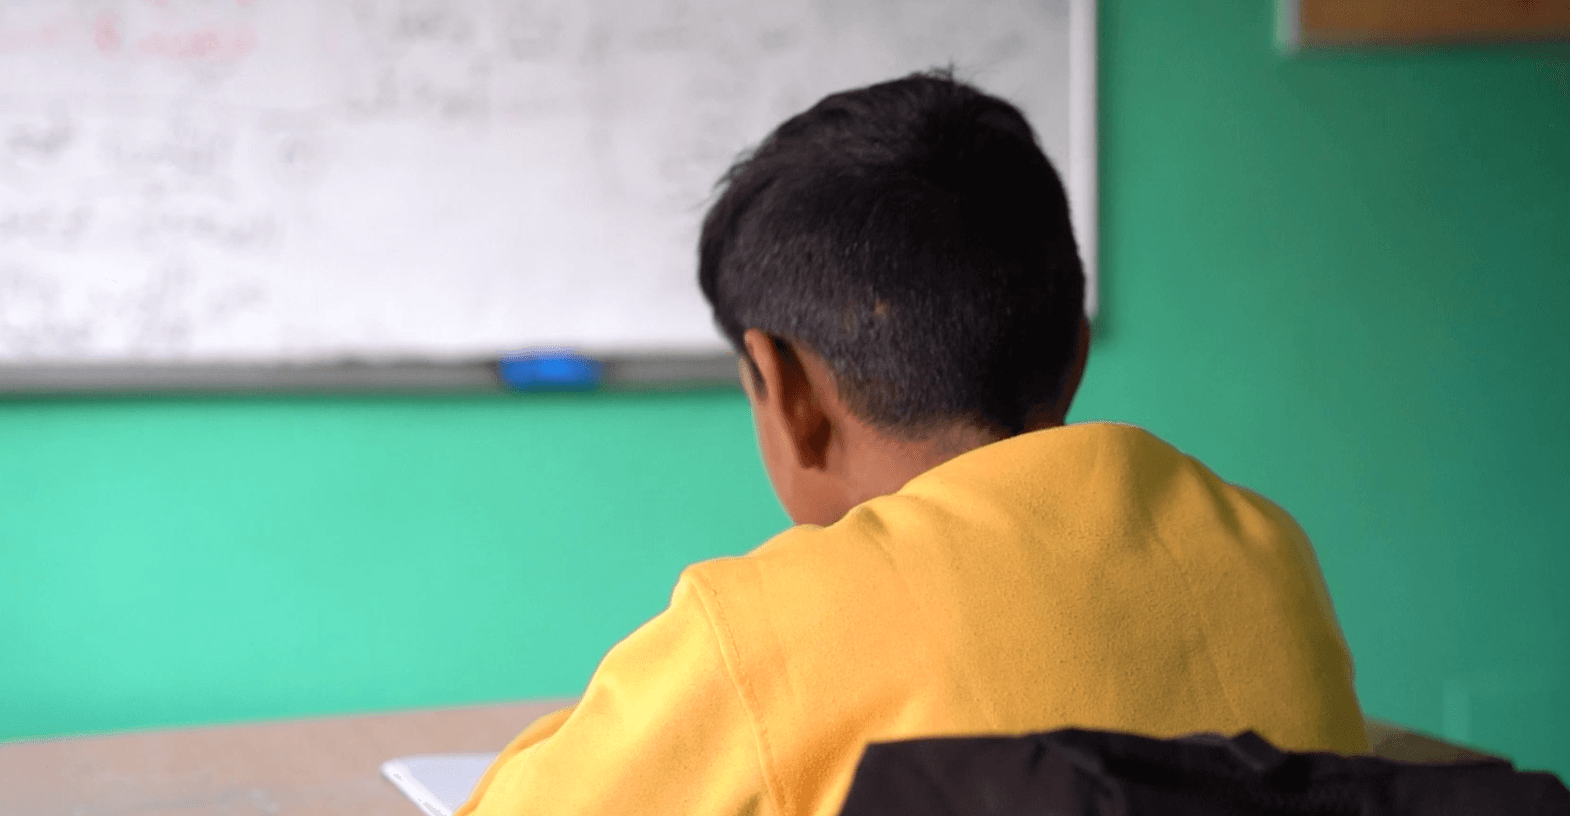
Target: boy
<point>896,269</point>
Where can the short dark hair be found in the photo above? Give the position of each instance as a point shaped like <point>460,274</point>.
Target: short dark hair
<point>913,235</point>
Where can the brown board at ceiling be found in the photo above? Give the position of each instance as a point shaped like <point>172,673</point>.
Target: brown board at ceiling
<point>1344,22</point>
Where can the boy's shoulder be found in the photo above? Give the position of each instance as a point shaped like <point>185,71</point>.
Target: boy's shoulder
<point>1036,486</point>
<point>1043,549</point>
<point>1070,497</point>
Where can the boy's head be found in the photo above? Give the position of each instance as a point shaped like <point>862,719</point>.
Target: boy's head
<point>898,259</point>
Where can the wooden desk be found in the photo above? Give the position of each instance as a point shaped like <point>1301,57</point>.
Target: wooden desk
<point>320,767</point>
<point>1391,741</point>
<point>295,768</point>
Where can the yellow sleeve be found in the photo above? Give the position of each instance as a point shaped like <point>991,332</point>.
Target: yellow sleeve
<point>660,729</point>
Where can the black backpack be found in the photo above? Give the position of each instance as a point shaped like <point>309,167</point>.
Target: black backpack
<point>1077,772</point>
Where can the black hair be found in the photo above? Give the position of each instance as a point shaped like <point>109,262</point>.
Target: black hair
<point>914,236</point>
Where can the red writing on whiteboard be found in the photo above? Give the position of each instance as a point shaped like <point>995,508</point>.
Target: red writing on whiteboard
<point>204,43</point>
<point>47,35</point>
<point>106,34</point>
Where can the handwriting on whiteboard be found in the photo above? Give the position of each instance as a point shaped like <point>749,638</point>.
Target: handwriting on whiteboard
<point>291,179</point>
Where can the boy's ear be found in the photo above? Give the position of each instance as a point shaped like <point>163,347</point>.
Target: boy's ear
<point>1055,415</point>
<point>1076,375</point>
<point>786,400</point>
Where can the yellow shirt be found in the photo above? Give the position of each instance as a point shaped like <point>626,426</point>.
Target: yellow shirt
<point>1088,576</point>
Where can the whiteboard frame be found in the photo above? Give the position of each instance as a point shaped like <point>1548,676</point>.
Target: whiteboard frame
<point>649,372</point>
<point>1083,172</point>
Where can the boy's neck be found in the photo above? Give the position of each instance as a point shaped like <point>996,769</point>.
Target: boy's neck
<point>885,463</point>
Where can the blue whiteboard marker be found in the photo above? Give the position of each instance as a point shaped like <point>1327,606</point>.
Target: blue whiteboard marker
<point>550,371</point>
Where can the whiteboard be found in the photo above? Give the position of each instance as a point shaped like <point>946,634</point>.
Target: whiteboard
<point>289,181</point>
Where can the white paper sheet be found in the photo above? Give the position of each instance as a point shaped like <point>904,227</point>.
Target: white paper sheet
<point>438,783</point>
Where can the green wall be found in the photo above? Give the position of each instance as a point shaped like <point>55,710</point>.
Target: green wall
<point>1343,278</point>
<point>1340,278</point>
